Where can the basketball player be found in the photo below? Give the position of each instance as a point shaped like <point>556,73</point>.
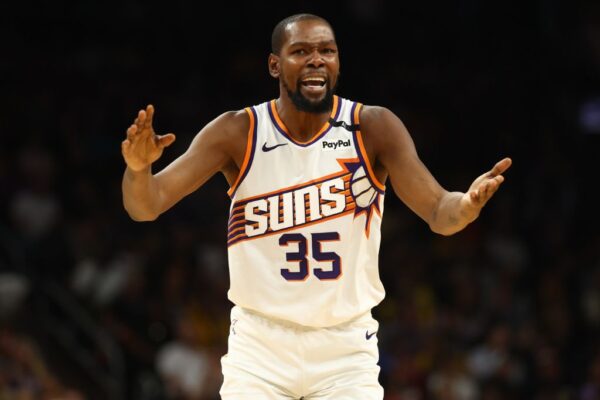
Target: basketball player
<point>307,176</point>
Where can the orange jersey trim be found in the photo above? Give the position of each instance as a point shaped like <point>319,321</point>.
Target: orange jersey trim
<point>316,136</point>
<point>361,148</point>
<point>249,151</point>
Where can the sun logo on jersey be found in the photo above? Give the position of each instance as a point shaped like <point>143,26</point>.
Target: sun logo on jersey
<point>347,191</point>
<point>366,196</point>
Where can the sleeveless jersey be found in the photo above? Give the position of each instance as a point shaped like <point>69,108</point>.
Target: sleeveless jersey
<point>304,226</point>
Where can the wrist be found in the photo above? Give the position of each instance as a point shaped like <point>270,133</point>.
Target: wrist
<point>468,210</point>
<point>137,171</point>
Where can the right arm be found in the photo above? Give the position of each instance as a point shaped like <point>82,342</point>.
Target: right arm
<point>446,212</point>
<point>219,146</point>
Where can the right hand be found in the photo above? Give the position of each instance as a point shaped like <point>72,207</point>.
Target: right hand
<point>142,146</point>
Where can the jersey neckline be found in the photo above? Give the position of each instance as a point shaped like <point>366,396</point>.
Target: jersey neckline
<point>278,123</point>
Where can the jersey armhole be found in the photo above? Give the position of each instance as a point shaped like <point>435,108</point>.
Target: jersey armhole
<point>362,153</point>
<point>249,155</point>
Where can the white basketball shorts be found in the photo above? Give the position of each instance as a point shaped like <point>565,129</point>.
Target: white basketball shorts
<point>271,359</point>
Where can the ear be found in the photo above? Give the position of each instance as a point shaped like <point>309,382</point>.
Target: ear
<point>274,67</point>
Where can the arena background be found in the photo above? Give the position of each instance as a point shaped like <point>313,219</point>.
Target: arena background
<point>96,306</point>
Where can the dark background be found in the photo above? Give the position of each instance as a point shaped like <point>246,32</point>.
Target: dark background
<point>94,305</point>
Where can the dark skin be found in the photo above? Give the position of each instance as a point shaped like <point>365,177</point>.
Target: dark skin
<point>309,50</point>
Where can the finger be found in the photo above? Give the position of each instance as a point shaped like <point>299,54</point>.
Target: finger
<point>497,182</point>
<point>492,187</point>
<point>141,118</point>
<point>165,140</point>
<point>125,145</point>
<point>500,167</point>
<point>149,116</point>
<point>483,191</point>
<point>131,131</point>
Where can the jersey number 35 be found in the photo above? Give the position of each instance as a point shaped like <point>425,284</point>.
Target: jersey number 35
<point>318,254</point>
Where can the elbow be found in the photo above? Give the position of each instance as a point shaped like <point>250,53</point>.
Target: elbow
<point>446,225</point>
<point>446,229</point>
<point>443,231</point>
<point>143,218</point>
<point>139,216</point>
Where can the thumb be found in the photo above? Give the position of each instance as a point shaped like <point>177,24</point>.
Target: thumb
<point>166,140</point>
<point>125,146</point>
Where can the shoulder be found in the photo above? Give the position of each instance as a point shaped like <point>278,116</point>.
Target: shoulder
<point>230,126</point>
<point>381,127</point>
<point>237,116</point>
<point>232,122</point>
<point>376,116</point>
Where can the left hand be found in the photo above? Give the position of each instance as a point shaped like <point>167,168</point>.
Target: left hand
<point>483,188</point>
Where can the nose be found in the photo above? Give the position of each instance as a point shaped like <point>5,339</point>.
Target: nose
<point>316,59</point>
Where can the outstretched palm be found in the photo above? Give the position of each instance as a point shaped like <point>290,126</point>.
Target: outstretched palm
<point>142,146</point>
<point>484,187</point>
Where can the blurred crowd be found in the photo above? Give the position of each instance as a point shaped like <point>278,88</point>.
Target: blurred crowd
<point>96,306</point>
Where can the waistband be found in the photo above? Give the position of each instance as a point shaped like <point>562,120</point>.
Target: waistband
<point>271,321</point>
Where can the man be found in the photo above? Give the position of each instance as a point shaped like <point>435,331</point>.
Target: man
<point>307,174</point>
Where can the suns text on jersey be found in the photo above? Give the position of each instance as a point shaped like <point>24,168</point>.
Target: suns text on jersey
<point>291,207</point>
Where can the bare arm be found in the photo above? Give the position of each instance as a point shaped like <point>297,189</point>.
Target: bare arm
<point>445,212</point>
<point>146,196</point>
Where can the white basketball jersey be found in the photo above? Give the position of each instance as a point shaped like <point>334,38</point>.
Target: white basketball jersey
<point>304,227</point>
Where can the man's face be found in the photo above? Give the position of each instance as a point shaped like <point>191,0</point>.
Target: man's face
<point>309,65</point>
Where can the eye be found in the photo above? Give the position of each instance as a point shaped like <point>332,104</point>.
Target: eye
<point>300,52</point>
<point>329,51</point>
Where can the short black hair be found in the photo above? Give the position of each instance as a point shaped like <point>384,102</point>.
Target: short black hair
<point>278,35</point>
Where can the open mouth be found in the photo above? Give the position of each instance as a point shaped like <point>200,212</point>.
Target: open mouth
<point>313,83</point>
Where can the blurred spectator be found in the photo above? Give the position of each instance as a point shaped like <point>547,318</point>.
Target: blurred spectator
<point>452,380</point>
<point>14,288</point>
<point>24,374</point>
<point>35,207</point>
<point>185,365</point>
<point>103,283</point>
<point>591,388</point>
<point>493,360</point>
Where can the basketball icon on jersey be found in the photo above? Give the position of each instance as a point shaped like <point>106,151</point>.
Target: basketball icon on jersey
<point>365,195</point>
<point>363,192</point>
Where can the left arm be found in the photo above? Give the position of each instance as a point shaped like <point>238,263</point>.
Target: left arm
<point>445,212</point>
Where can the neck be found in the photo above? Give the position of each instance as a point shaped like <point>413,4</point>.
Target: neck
<point>302,126</point>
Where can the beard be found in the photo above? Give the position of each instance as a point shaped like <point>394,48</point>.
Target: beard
<point>304,104</point>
